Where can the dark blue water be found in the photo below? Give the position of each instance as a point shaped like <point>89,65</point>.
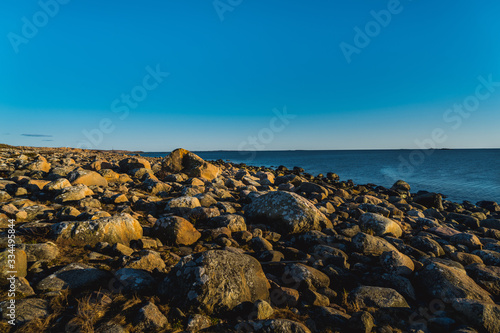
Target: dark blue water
<point>462,174</point>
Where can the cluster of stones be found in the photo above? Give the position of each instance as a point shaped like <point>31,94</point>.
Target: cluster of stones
<point>219,247</point>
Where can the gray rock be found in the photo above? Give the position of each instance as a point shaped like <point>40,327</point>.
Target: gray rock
<point>382,226</point>
<point>116,229</point>
<point>150,318</point>
<point>73,276</point>
<point>367,296</point>
<point>287,212</point>
<point>215,281</point>
<point>484,315</point>
<point>448,280</point>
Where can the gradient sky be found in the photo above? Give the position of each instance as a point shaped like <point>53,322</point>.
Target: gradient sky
<point>231,66</point>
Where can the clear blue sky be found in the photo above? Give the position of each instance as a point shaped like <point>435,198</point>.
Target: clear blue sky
<point>230,66</point>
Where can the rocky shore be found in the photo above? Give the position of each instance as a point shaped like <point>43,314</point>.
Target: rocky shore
<point>107,242</point>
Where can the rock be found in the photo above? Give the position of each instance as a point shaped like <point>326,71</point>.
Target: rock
<point>4,196</point>
<point>150,318</point>
<point>484,315</point>
<point>427,244</point>
<point>490,223</point>
<point>287,212</point>
<point>87,177</point>
<point>361,322</point>
<point>121,250</point>
<point>148,261</point>
<point>233,222</point>
<point>272,325</point>
<point>198,281</point>
<point>39,164</point>
<point>487,277</point>
<point>73,276</point>
<point>395,262</point>
<point>489,257</point>
<point>26,310</point>
<point>182,205</point>
<point>469,240</point>
<point>492,206</point>
<point>181,160</point>
<point>120,228</point>
<point>448,280</point>
<point>329,319</point>
<point>41,252</point>
<point>74,193</point>
<point>176,230</point>
<point>401,187</point>
<point>430,200</point>
<point>466,258</point>
<point>133,280</point>
<point>132,163</point>
<point>10,262</point>
<point>381,225</point>
<point>262,309</point>
<point>57,185</point>
<point>306,277</point>
<point>366,296</point>
<point>198,322</point>
<point>371,245</point>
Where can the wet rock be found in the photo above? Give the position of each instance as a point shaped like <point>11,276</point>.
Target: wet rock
<point>198,281</point>
<point>120,228</point>
<point>287,212</point>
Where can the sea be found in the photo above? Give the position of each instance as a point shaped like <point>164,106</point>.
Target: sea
<point>458,174</point>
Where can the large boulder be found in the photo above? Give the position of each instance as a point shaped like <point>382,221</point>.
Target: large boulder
<point>448,280</point>
<point>287,212</point>
<point>215,281</point>
<point>380,225</point>
<point>182,160</point>
<point>115,229</point>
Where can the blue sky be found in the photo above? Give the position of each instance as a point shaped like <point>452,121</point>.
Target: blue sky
<point>230,63</point>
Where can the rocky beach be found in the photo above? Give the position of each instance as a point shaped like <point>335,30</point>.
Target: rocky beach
<point>112,242</point>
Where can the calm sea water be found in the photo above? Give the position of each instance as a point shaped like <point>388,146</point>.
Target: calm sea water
<point>462,174</point>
